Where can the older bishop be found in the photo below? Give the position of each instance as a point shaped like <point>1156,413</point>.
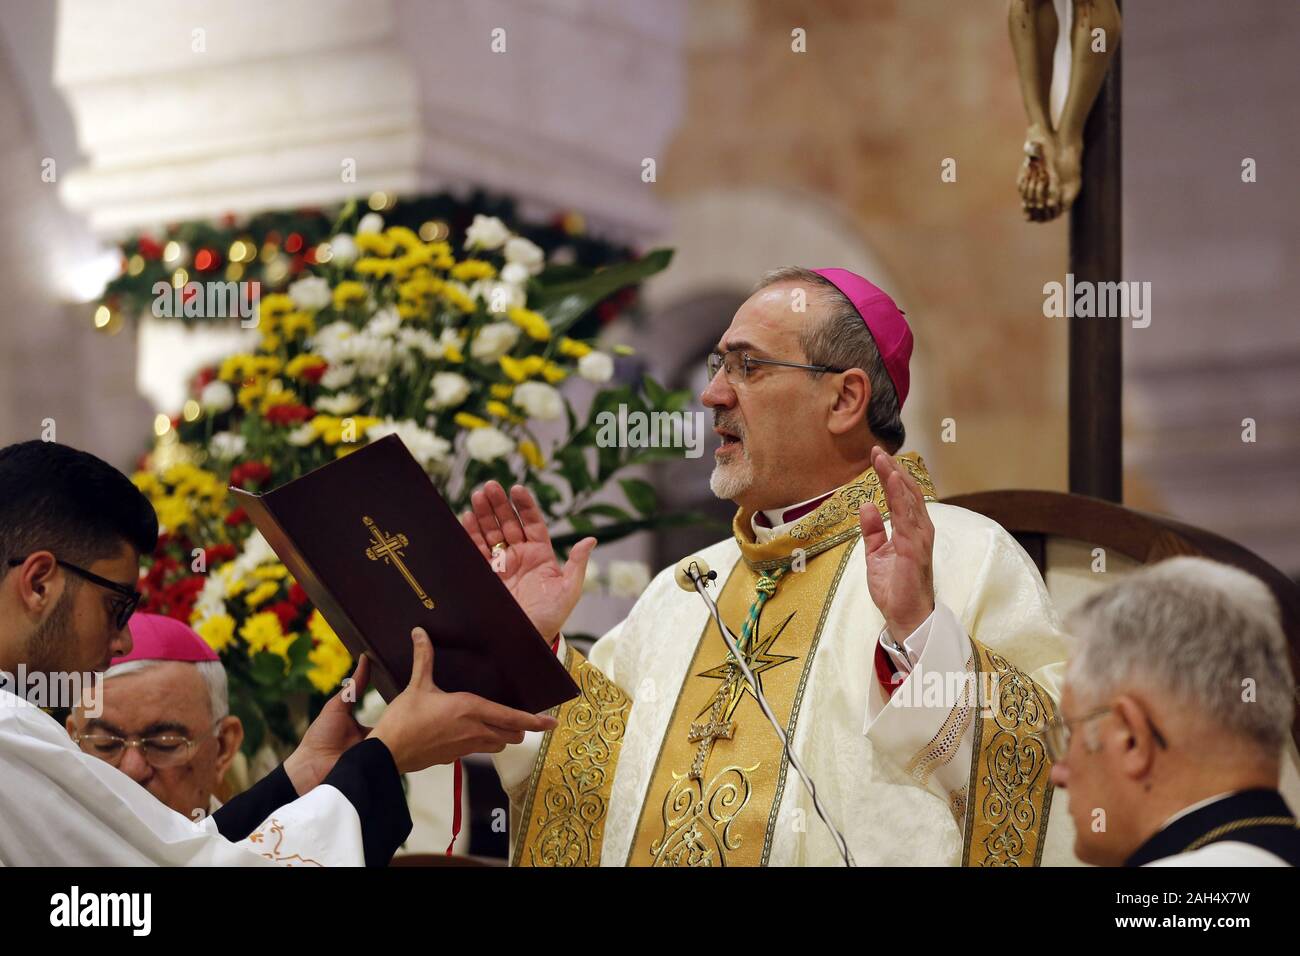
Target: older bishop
<point>908,647</point>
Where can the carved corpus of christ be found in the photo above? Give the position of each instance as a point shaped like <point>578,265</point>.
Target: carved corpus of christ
<point>1051,173</point>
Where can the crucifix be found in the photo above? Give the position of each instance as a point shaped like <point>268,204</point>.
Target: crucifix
<point>388,548</point>
<point>715,728</point>
<point>1076,167</point>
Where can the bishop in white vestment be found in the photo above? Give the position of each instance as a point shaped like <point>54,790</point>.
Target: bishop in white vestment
<point>908,648</point>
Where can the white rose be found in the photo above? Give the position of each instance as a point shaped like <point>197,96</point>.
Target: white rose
<point>596,367</point>
<point>311,293</point>
<point>338,376</point>
<point>627,579</point>
<point>370,222</point>
<point>494,340</point>
<point>514,273</point>
<point>449,390</point>
<point>427,448</point>
<point>303,435</point>
<point>488,444</point>
<point>344,403</point>
<point>384,322</point>
<point>528,254</point>
<point>216,397</point>
<point>486,232</point>
<point>539,400</point>
<point>227,446</point>
<point>343,249</point>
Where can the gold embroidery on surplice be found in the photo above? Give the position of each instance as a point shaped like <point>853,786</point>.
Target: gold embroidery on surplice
<point>1010,790</point>
<point>568,796</point>
<point>687,821</point>
<point>275,850</point>
<point>702,820</point>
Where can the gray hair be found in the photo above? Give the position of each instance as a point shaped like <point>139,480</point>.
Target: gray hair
<point>1197,630</point>
<point>842,340</point>
<point>212,672</point>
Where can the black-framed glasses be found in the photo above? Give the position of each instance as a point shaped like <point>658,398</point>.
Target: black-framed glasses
<point>1058,731</point>
<point>738,365</point>
<point>160,751</point>
<point>124,605</point>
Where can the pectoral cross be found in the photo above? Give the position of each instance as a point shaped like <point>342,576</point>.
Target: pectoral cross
<point>387,548</point>
<point>707,734</point>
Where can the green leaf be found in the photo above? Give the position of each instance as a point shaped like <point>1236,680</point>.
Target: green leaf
<point>573,466</point>
<point>565,303</point>
<point>640,494</point>
<point>604,511</point>
<point>267,669</point>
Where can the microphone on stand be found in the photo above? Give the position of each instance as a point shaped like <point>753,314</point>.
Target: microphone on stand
<point>693,574</point>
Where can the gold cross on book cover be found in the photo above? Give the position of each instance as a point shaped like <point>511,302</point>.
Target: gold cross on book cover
<point>379,552</point>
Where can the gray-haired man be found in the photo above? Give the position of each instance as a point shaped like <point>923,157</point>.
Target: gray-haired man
<point>1177,703</point>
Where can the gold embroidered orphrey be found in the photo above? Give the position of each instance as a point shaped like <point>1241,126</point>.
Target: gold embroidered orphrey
<point>568,796</point>
<point>714,797</point>
<point>388,548</point>
<point>1010,790</point>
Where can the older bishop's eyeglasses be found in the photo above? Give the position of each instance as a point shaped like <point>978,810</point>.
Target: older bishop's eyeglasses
<point>159,750</point>
<point>1057,735</point>
<point>739,364</point>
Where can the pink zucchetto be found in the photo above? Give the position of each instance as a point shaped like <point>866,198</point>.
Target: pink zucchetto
<point>884,321</point>
<point>156,637</point>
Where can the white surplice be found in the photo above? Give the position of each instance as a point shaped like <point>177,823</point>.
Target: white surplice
<point>60,806</point>
<point>854,742</point>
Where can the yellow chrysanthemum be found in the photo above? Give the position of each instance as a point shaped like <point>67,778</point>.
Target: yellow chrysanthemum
<point>499,409</point>
<point>501,390</point>
<point>275,306</point>
<point>298,323</point>
<point>349,292</point>
<point>533,323</point>
<point>299,365</point>
<point>370,266</point>
<point>262,593</point>
<point>473,269</point>
<point>262,632</point>
<point>573,348</point>
<point>532,454</point>
<point>554,373</point>
<point>458,299</point>
<point>466,420</point>
<point>218,630</point>
<point>375,243</point>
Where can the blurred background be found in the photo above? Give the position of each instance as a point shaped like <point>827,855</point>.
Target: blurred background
<point>112,122</point>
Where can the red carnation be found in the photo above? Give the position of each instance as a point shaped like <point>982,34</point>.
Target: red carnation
<point>313,373</point>
<point>289,414</point>
<point>249,471</point>
<point>220,552</point>
<point>237,517</point>
<point>286,612</point>
<point>296,594</point>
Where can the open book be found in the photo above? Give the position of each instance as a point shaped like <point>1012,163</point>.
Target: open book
<point>379,552</point>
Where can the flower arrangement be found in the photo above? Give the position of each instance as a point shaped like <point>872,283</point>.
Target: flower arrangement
<point>460,352</point>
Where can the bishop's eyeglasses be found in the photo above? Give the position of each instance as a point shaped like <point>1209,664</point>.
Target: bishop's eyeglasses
<point>1057,735</point>
<point>160,751</point>
<point>126,599</point>
<point>739,364</point>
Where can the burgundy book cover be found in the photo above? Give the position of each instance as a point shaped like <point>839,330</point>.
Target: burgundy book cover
<point>378,552</point>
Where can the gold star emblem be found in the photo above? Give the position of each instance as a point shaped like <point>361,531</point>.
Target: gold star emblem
<point>735,685</point>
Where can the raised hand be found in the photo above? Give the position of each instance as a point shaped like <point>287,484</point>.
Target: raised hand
<point>424,725</point>
<point>546,591</point>
<point>900,571</point>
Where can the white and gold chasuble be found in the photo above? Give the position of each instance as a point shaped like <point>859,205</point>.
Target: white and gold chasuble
<point>665,759</point>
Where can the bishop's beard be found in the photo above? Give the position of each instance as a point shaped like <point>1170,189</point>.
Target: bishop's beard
<point>734,476</point>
